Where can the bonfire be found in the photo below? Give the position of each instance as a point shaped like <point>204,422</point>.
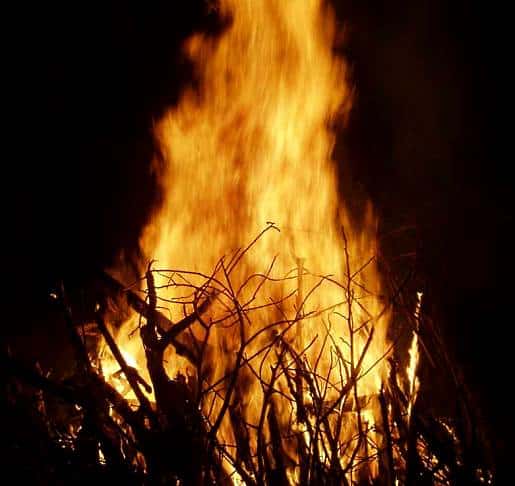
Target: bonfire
<point>265,340</point>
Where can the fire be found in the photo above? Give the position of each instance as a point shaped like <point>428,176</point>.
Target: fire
<point>251,142</point>
<point>413,381</point>
<point>132,353</point>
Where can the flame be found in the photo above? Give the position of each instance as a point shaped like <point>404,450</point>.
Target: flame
<point>134,356</point>
<point>413,381</point>
<point>414,355</point>
<point>251,142</point>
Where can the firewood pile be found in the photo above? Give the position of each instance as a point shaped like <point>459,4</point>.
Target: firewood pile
<point>193,427</point>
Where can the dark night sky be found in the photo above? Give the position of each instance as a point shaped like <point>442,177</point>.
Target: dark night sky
<point>425,141</point>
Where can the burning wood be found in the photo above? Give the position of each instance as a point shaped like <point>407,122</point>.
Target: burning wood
<point>314,425</point>
<point>268,364</point>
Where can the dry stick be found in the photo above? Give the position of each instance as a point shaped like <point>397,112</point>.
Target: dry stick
<point>399,294</point>
<point>263,281</point>
<point>131,374</point>
<point>320,399</point>
<point>170,336</point>
<point>288,276</point>
<point>210,296</point>
<point>340,415</point>
<point>333,456</point>
<point>278,337</point>
<point>299,335</point>
<point>313,289</point>
<point>302,417</point>
<point>215,293</point>
<point>317,286</point>
<point>351,385</point>
<point>296,394</point>
<point>254,355</point>
<point>274,303</point>
<point>351,464</point>
<point>319,431</point>
<point>76,341</point>
<point>94,404</point>
<point>242,435</point>
<point>137,438</point>
<point>383,356</point>
<point>136,302</point>
<point>364,472</point>
<point>338,284</point>
<point>266,398</point>
<point>153,351</point>
<point>200,375</point>
<point>287,375</point>
<point>317,360</point>
<point>264,278</point>
<point>259,378</point>
<point>365,265</point>
<point>279,478</point>
<point>290,322</point>
<point>390,468</point>
<point>237,366</point>
<point>314,392</point>
<point>235,255</point>
<point>248,480</point>
<point>326,380</point>
<point>252,243</point>
<point>354,375</point>
<point>264,358</point>
<point>182,273</point>
<point>122,408</point>
<point>81,396</point>
<point>142,308</point>
<point>326,385</point>
<point>398,399</point>
<point>215,395</point>
<point>300,308</point>
<point>350,324</point>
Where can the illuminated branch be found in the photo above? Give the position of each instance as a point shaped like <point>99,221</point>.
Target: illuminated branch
<point>313,423</point>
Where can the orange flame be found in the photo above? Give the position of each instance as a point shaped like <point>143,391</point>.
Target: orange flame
<point>133,354</point>
<point>414,356</point>
<point>251,142</point>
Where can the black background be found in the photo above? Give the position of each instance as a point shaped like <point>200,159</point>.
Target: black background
<point>427,142</point>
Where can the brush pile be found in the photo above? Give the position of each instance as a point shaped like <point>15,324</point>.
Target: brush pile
<point>145,426</point>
